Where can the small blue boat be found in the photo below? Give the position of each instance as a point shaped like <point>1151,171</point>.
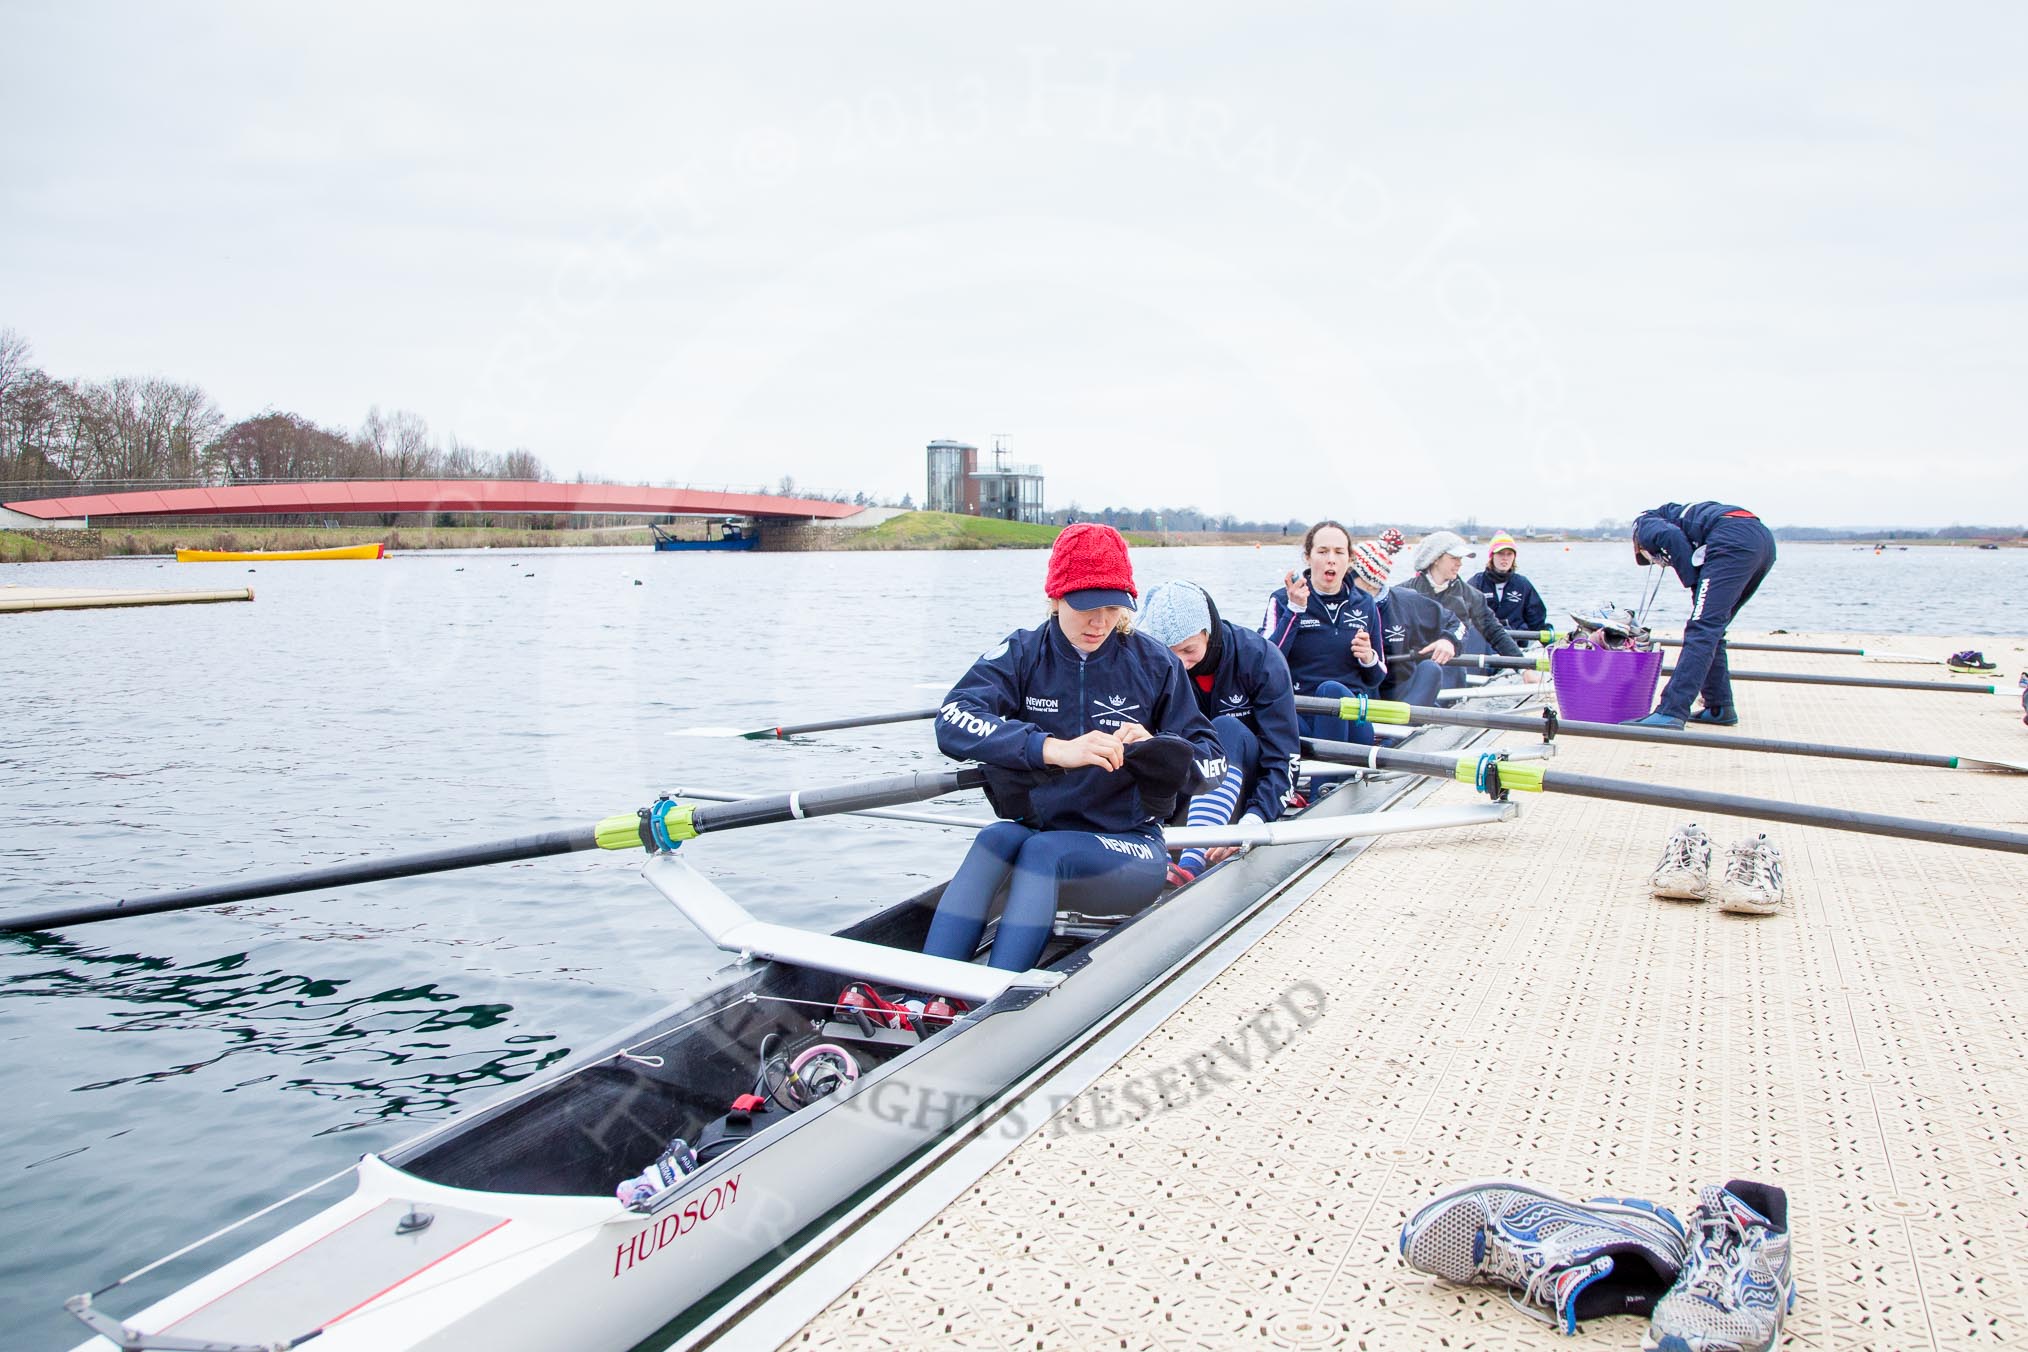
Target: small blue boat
<point>718,536</point>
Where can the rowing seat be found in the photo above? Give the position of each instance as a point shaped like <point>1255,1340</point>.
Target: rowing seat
<point>1077,925</point>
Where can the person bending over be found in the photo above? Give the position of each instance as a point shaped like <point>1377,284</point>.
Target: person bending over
<point>1722,554</point>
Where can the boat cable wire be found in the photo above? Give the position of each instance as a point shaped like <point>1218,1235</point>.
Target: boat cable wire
<point>220,1233</point>
<point>1653,593</point>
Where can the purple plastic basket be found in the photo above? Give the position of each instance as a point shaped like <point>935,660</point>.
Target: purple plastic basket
<point>1597,685</point>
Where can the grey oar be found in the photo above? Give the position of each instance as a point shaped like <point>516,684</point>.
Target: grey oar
<point>798,729</point>
<point>833,725</point>
<point>1494,662</point>
<point>1535,777</point>
<point>1552,636</point>
<point>1392,711</point>
<point>666,822</point>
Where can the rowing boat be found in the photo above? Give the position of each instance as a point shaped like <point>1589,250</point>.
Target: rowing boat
<point>372,551</point>
<point>500,1229</point>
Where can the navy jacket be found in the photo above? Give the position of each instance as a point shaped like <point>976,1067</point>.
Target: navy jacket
<point>1513,599</point>
<point>1252,684</point>
<point>1673,533</point>
<point>1036,685</point>
<point>1411,621</point>
<point>1316,641</point>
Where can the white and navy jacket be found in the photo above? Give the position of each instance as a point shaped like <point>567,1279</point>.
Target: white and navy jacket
<point>1036,685</point>
<point>1316,641</point>
<point>1512,598</point>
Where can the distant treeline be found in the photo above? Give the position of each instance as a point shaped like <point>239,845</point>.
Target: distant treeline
<point>1172,519</point>
<point>133,430</point>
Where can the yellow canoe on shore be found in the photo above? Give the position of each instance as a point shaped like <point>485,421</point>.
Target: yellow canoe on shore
<point>375,551</point>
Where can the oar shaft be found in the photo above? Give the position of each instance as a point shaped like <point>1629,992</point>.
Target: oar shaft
<point>833,725</point>
<point>1551,636</point>
<point>677,822</point>
<point>1868,682</point>
<point>1535,777</point>
<point>312,880</point>
<point>1388,711</point>
<point>784,807</point>
<point>1494,662</point>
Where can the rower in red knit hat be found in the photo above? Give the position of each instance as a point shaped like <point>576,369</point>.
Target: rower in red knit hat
<point>1091,737</point>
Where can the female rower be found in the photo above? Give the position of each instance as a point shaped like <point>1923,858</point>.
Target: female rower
<point>1438,558</point>
<point>1511,596</point>
<point>1242,685</point>
<point>1421,635</point>
<point>1111,710</point>
<point>1326,631</point>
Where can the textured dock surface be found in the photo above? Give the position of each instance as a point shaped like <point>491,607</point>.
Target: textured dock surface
<point>94,598</point>
<point>1510,1001</point>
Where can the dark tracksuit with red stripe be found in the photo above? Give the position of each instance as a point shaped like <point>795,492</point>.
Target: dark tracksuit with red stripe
<point>1084,841</point>
<point>1722,553</point>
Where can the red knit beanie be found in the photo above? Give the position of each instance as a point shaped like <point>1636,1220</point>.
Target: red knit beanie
<point>1088,568</point>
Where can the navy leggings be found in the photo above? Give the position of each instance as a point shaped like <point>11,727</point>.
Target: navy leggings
<point>1044,871</point>
<point>1737,555</point>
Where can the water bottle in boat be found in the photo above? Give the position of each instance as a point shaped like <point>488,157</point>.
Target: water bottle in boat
<point>669,1166</point>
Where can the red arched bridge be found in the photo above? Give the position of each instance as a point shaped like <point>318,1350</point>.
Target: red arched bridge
<point>428,495</point>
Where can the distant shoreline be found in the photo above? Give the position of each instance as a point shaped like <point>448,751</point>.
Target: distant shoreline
<point>909,531</point>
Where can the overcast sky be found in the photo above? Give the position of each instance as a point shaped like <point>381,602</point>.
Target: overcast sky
<point>1533,263</point>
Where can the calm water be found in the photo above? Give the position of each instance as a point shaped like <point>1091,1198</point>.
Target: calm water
<point>170,1073</point>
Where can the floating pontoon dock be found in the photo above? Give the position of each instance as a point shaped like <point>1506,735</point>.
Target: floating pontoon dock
<point>1511,1001</point>
<point>95,598</point>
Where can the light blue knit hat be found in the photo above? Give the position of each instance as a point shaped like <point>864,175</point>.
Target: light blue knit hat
<point>1172,612</point>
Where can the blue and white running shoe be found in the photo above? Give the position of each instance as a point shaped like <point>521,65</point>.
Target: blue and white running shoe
<point>1568,1260</point>
<point>1738,1282</point>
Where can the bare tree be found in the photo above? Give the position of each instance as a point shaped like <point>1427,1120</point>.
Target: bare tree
<point>523,464</point>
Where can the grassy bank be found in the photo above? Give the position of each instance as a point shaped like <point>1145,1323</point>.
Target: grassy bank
<point>947,530</point>
<point>22,549</point>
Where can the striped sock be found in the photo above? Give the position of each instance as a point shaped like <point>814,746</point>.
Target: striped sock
<point>1213,808</point>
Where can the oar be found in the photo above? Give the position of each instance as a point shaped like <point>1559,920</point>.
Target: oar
<point>1494,662</point>
<point>881,813</point>
<point>665,821</point>
<point>1552,636</point>
<point>1538,778</point>
<point>1394,712</point>
<point>798,729</point>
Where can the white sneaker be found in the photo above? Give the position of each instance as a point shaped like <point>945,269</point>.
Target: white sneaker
<point>1753,877</point>
<point>1685,870</point>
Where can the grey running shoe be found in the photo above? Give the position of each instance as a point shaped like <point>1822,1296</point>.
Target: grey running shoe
<point>1738,1282</point>
<point>1685,870</point>
<point>1753,877</point>
<point>1568,1260</point>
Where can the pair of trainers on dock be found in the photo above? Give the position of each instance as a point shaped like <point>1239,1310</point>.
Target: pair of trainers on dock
<point>1751,882</point>
<point>1721,1283</point>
